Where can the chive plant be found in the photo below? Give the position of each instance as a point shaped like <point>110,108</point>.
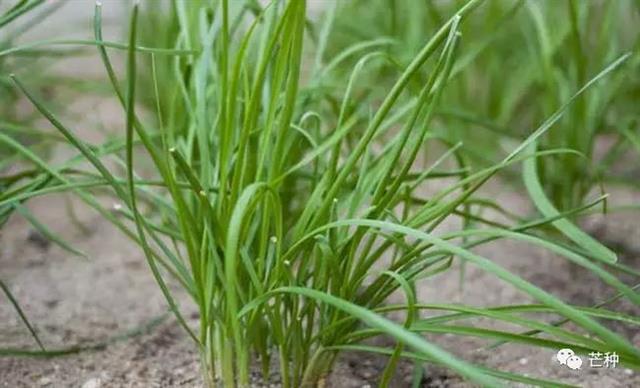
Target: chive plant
<point>288,206</point>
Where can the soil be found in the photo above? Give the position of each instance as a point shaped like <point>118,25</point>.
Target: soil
<point>77,302</point>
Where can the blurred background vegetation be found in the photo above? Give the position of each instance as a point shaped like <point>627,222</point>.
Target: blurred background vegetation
<point>520,60</point>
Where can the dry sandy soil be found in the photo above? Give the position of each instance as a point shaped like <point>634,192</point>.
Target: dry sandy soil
<point>76,302</point>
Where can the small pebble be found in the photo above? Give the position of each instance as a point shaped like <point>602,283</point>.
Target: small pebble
<point>92,383</point>
<point>523,361</point>
<point>44,381</point>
